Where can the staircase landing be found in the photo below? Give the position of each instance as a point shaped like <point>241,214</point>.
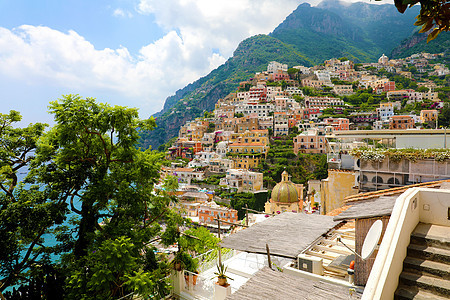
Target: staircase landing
<point>432,232</point>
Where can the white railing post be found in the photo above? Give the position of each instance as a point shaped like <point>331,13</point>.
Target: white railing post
<point>177,282</point>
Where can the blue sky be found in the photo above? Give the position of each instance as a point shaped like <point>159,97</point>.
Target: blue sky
<point>132,53</point>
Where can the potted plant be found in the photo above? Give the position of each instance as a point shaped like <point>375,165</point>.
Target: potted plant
<point>220,274</point>
<point>177,262</point>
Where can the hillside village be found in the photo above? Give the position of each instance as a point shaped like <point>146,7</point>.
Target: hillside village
<point>284,114</point>
<point>310,160</point>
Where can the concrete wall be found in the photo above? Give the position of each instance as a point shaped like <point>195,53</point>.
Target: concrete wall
<point>383,279</point>
<point>335,188</point>
<point>391,174</point>
<point>434,206</point>
<point>423,141</point>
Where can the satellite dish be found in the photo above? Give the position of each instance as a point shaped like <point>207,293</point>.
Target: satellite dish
<point>371,240</point>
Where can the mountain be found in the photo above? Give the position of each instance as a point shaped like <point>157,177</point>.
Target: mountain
<point>308,36</point>
<point>418,43</point>
<point>382,24</point>
<point>251,56</point>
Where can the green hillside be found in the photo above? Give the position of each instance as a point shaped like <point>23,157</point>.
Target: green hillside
<point>308,36</point>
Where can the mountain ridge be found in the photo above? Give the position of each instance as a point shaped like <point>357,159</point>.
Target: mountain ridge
<point>308,36</point>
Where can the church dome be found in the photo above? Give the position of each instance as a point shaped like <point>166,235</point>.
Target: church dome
<point>285,191</point>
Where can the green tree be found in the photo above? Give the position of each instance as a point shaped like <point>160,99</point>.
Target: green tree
<point>444,116</point>
<point>90,155</point>
<point>26,215</point>
<point>413,69</point>
<point>292,71</point>
<point>208,114</point>
<point>423,89</point>
<point>198,240</point>
<point>321,171</point>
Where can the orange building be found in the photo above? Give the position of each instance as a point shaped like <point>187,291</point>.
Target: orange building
<point>208,212</point>
<point>401,122</point>
<point>338,123</point>
<point>246,123</point>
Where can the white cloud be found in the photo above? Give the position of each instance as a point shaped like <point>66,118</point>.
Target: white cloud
<point>218,24</point>
<point>118,12</point>
<point>200,36</point>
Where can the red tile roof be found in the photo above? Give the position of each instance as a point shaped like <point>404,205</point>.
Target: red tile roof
<point>392,191</point>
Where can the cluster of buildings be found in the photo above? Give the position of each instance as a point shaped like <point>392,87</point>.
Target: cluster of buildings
<point>234,141</point>
<point>370,173</point>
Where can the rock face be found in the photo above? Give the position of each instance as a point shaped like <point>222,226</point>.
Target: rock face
<point>408,43</point>
<point>308,36</point>
<point>318,20</point>
<point>418,43</point>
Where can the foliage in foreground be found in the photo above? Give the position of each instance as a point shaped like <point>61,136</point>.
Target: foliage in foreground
<point>26,213</point>
<point>85,176</point>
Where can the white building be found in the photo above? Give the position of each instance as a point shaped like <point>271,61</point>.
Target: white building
<point>383,60</point>
<point>385,111</point>
<point>260,109</point>
<point>294,91</point>
<point>222,148</point>
<point>220,165</point>
<point>322,102</point>
<point>185,175</point>
<point>266,122</point>
<point>343,90</point>
<point>323,75</point>
<point>276,67</point>
<point>243,180</point>
<point>273,92</point>
<point>303,70</point>
<point>281,126</point>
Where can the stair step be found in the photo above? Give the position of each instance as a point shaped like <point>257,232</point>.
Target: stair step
<point>441,270</point>
<point>429,252</point>
<point>413,292</point>
<point>432,235</point>
<point>429,283</point>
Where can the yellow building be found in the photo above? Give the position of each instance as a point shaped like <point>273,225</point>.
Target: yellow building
<point>247,155</point>
<point>428,115</point>
<point>247,162</point>
<point>286,196</point>
<point>248,148</point>
<point>335,188</point>
<point>255,136</point>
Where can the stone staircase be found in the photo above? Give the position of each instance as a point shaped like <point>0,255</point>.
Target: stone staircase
<point>426,268</point>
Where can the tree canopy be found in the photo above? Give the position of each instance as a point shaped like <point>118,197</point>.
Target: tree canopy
<point>26,214</point>
<point>90,187</point>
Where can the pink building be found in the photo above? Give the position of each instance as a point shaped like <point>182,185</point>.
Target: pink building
<point>311,141</point>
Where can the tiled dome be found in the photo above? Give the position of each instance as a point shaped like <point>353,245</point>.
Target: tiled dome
<point>285,191</point>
